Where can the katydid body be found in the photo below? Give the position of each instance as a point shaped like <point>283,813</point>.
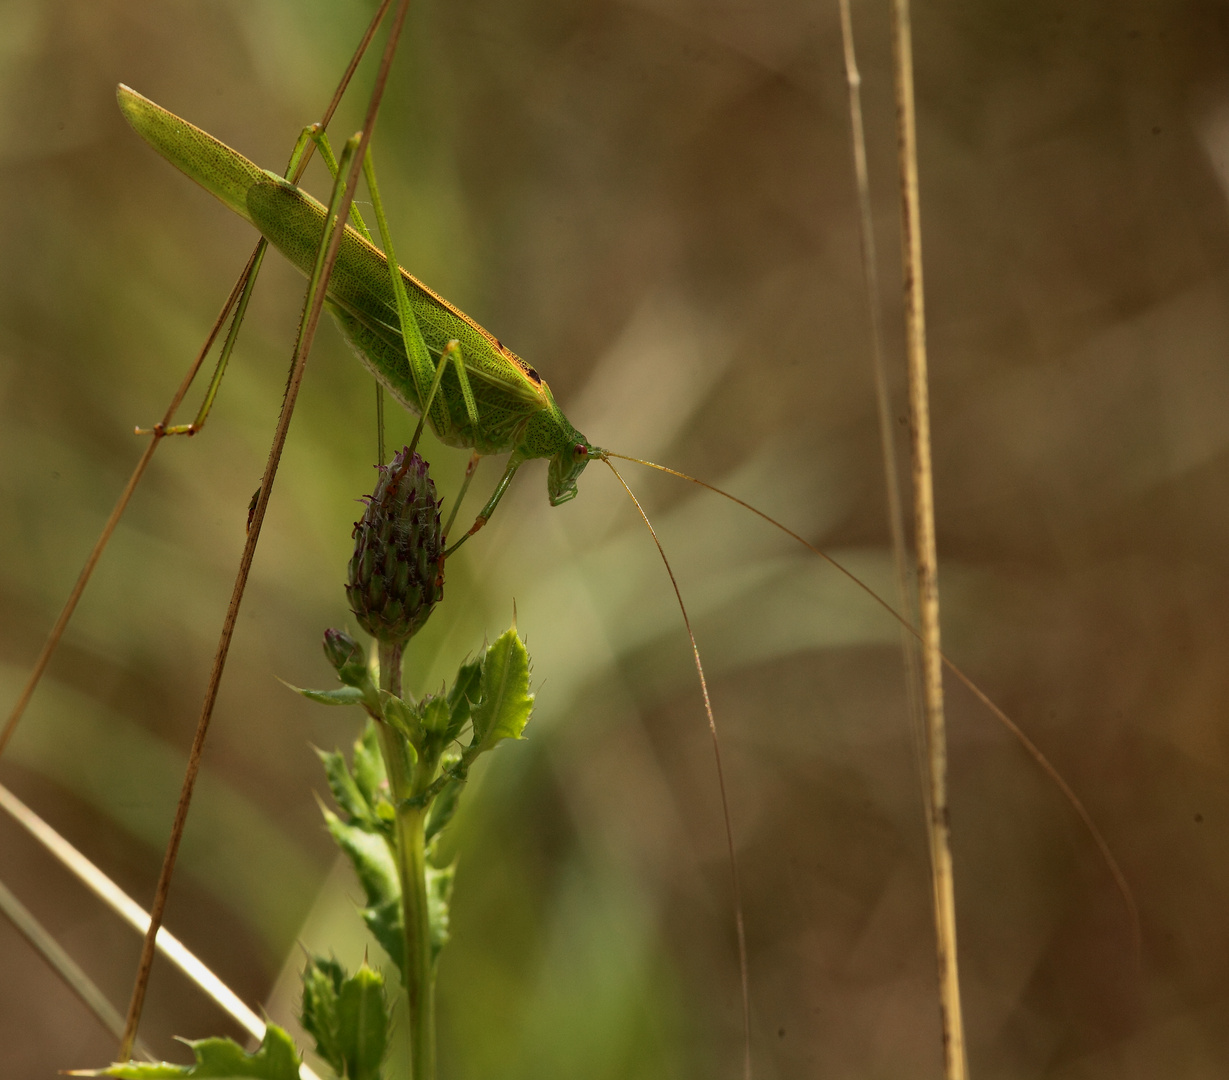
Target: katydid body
<point>515,410</point>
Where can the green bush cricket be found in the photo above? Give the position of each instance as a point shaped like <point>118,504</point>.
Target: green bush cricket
<point>488,398</point>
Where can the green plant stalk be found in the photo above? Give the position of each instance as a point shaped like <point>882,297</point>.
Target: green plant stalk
<point>419,979</point>
<point>408,781</point>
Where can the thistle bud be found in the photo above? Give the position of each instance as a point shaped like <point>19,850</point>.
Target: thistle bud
<point>347,657</point>
<point>397,570</point>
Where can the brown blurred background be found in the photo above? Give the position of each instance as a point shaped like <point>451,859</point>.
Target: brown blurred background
<point>652,201</point>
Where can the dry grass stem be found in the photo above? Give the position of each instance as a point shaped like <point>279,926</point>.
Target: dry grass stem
<point>956,1067</point>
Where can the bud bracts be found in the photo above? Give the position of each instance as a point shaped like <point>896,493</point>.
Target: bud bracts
<point>397,571</point>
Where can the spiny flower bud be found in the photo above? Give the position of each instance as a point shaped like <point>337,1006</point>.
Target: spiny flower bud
<point>347,657</point>
<point>397,570</point>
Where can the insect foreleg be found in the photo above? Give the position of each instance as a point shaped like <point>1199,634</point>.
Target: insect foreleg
<point>429,400</point>
<point>453,352</point>
<point>469,475</point>
<point>484,515</point>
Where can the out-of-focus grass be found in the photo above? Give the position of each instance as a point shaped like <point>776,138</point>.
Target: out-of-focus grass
<point>653,203</point>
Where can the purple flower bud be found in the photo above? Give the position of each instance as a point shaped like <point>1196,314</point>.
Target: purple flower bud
<point>397,571</point>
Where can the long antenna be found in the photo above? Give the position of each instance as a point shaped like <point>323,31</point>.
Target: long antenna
<point>744,978</point>
<point>1098,839</point>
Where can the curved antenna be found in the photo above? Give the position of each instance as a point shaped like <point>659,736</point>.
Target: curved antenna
<point>1033,750</point>
<point>744,978</point>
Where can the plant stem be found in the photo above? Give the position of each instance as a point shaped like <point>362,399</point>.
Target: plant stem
<point>950,1013</point>
<point>409,778</point>
<point>419,983</point>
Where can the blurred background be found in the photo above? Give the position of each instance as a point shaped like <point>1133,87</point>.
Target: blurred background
<point>652,202</point>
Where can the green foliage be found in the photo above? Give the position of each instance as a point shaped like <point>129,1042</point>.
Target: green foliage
<point>322,980</point>
<point>444,807</point>
<point>464,691</point>
<point>347,1016</point>
<point>439,898</point>
<point>345,789</point>
<point>505,702</point>
<point>347,657</point>
<point>400,790</point>
<point>369,771</point>
<point>343,695</point>
<point>436,715</point>
<point>401,717</point>
<point>361,791</point>
<point>371,853</point>
<point>220,1059</point>
<point>363,1024</point>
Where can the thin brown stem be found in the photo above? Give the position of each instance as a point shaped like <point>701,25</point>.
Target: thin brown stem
<point>736,887</point>
<point>307,333</point>
<point>951,1015</point>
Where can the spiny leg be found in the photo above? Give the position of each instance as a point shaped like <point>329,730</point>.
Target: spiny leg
<point>411,335</point>
<point>484,515</point>
<point>421,367</point>
<point>316,134</point>
<point>470,469</point>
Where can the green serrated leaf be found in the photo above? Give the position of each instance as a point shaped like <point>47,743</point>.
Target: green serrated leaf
<point>373,862</point>
<point>348,659</point>
<point>443,809</point>
<point>436,714</point>
<point>345,790</point>
<point>220,1059</point>
<point>342,695</point>
<point>368,766</point>
<point>439,899</point>
<point>462,695</point>
<point>505,701</point>
<point>322,981</point>
<point>370,856</point>
<point>363,1024</point>
<point>400,716</point>
<point>386,926</point>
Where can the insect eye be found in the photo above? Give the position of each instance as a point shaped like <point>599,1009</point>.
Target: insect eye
<point>580,450</point>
